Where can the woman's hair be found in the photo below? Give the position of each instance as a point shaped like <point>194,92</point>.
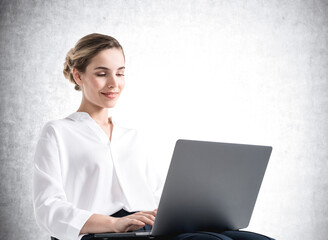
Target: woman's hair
<point>85,49</point>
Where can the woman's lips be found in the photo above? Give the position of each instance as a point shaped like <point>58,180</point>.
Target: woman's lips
<point>110,95</point>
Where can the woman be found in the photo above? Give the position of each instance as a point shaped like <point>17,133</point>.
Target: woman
<point>89,173</point>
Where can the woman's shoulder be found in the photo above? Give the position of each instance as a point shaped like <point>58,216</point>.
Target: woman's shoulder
<point>54,126</point>
<point>57,123</point>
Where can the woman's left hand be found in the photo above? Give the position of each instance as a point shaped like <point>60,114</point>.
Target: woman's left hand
<point>134,221</point>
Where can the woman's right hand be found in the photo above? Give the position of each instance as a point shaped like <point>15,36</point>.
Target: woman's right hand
<point>134,221</point>
<point>99,223</point>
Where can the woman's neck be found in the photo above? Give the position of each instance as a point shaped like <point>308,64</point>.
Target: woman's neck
<point>98,114</point>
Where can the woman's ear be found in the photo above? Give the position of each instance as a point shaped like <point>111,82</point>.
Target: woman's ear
<point>77,77</point>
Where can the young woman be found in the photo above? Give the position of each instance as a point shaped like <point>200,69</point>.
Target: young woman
<point>89,173</point>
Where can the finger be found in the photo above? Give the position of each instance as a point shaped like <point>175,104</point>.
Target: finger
<point>133,228</point>
<point>153,212</point>
<point>133,224</point>
<point>148,212</point>
<point>147,215</point>
<point>136,222</point>
<point>146,220</point>
<point>124,224</point>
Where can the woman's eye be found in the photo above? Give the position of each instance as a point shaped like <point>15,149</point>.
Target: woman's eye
<point>120,74</point>
<point>101,74</point>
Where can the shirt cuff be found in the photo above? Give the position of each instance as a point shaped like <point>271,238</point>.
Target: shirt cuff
<point>75,227</point>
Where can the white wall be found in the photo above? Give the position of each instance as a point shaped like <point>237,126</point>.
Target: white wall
<point>234,71</point>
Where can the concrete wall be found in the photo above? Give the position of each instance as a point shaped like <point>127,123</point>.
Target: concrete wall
<point>235,71</point>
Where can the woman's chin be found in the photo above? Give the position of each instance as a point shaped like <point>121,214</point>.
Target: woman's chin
<point>110,105</point>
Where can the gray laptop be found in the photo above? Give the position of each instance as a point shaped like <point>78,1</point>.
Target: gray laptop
<point>210,186</point>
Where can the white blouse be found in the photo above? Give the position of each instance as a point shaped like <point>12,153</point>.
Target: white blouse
<point>79,172</point>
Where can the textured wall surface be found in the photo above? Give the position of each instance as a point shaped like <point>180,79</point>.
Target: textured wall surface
<point>235,71</point>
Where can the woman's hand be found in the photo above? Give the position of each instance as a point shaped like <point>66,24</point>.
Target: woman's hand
<point>134,221</point>
<point>98,223</point>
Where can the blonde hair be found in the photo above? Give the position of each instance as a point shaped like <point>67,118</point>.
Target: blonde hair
<point>84,50</point>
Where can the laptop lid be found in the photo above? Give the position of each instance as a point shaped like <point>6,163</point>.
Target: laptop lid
<point>210,186</point>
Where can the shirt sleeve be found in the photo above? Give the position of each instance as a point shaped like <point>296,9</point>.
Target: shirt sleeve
<point>59,217</point>
<point>155,179</point>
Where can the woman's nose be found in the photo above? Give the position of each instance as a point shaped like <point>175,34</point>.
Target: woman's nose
<point>112,81</point>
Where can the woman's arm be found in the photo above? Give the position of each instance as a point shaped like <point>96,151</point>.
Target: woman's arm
<point>98,223</point>
<point>53,212</point>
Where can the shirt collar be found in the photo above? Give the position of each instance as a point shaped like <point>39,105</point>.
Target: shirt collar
<point>79,116</point>
<point>84,116</point>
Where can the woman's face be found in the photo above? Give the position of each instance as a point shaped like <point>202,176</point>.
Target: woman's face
<point>103,80</point>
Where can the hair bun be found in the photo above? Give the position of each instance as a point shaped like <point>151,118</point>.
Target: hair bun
<point>68,67</point>
<point>68,64</point>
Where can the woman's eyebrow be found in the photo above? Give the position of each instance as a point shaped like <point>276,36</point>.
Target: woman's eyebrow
<point>105,68</point>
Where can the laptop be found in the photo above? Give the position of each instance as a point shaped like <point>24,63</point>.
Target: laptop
<point>210,186</point>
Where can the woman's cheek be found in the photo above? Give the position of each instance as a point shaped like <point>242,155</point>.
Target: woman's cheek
<point>99,83</point>
<point>122,83</point>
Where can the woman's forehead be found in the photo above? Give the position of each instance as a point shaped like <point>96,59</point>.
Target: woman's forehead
<point>110,58</point>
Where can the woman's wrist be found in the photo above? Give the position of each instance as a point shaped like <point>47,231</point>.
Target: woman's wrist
<point>111,223</point>
<point>98,223</point>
